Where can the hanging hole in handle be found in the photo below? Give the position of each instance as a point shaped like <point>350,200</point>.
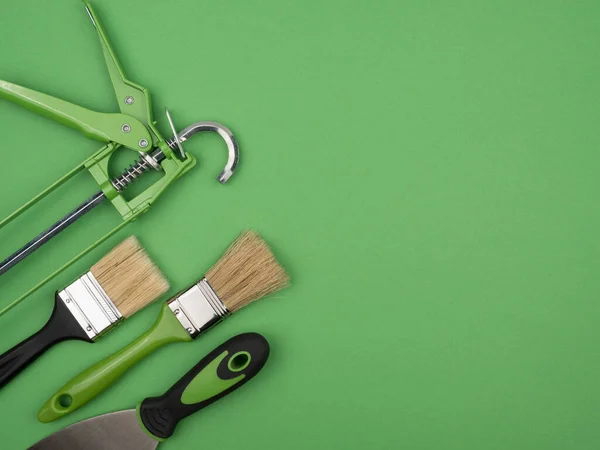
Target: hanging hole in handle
<point>239,361</point>
<point>64,401</point>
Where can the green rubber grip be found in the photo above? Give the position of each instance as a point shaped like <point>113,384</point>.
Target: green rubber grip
<point>221,372</point>
<point>99,377</point>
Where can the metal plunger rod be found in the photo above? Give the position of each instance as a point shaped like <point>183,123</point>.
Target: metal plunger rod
<point>54,230</point>
<point>120,183</point>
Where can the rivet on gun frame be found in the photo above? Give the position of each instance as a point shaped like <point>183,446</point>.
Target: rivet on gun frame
<point>129,100</point>
<point>143,143</point>
<point>89,328</point>
<point>177,312</point>
<point>126,128</point>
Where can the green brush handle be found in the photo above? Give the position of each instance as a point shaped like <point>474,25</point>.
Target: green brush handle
<point>99,377</point>
<point>222,371</point>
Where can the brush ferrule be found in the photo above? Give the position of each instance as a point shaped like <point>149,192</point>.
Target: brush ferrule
<point>199,308</point>
<point>91,306</point>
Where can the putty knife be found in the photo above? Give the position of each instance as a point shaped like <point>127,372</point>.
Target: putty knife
<point>222,371</point>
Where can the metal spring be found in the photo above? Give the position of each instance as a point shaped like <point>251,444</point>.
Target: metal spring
<point>172,143</point>
<point>130,175</point>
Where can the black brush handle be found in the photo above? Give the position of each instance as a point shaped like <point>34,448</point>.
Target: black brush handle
<point>62,326</point>
<point>222,371</point>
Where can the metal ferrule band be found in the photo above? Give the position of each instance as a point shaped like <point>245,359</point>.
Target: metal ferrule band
<point>199,308</point>
<point>91,306</point>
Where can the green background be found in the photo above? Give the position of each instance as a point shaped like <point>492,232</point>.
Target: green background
<point>427,171</point>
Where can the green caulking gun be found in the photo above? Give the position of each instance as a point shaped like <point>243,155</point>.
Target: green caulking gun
<point>135,129</point>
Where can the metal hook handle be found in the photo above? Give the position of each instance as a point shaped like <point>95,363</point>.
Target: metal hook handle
<point>224,132</point>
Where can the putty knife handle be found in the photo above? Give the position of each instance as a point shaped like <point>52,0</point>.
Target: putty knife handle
<point>222,371</point>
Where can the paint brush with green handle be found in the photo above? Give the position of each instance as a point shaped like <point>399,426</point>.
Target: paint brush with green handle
<point>246,272</point>
<point>225,369</point>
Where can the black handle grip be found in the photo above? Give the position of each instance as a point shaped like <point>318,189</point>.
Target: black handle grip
<point>61,326</point>
<point>222,371</point>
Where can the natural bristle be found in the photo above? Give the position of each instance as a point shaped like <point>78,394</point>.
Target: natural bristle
<point>246,272</point>
<point>129,277</point>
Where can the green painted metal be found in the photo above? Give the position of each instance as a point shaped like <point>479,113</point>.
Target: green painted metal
<point>96,379</point>
<point>42,194</point>
<point>136,112</point>
<point>139,105</point>
<point>101,127</point>
<point>63,268</point>
<point>207,383</point>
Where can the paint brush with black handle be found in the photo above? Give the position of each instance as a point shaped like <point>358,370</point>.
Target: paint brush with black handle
<point>119,285</point>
